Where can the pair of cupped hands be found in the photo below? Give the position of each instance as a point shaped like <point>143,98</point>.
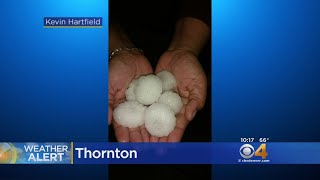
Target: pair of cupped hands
<point>191,86</point>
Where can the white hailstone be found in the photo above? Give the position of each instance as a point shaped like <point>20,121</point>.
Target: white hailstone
<point>172,99</point>
<point>168,80</point>
<point>129,114</point>
<point>159,120</point>
<point>130,96</point>
<point>148,89</point>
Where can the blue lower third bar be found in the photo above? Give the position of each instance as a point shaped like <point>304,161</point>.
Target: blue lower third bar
<point>142,153</point>
<point>197,153</point>
<point>73,22</point>
<point>159,153</point>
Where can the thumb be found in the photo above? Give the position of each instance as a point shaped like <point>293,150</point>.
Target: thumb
<point>191,109</point>
<point>158,69</point>
<point>109,114</point>
<point>161,65</point>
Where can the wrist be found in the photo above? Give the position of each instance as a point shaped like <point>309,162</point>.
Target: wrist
<point>125,50</point>
<point>182,52</point>
<point>118,38</point>
<point>179,49</point>
<point>191,35</point>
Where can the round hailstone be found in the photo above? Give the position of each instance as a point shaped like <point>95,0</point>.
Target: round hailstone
<point>130,96</point>
<point>168,80</point>
<point>159,120</point>
<point>129,114</point>
<point>172,99</point>
<point>148,89</point>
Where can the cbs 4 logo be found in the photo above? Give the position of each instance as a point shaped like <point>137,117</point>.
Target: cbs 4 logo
<point>247,151</point>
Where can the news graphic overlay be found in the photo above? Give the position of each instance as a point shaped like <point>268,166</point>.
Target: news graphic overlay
<point>72,22</point>
<point>248,151</point>
<point>8,153</point>
<point>255,152</point>
<point>36,153</point>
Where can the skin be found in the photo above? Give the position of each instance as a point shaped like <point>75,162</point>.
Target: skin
<point>181,59</point>
<point>123,68</point>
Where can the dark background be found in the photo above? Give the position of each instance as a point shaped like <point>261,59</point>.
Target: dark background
<point>150,26</point>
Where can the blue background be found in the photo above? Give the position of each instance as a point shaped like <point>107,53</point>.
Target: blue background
<point>53,82</point>
<point>266,61</point>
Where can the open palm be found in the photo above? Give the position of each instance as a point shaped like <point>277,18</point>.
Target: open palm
<point>191,86</point>
<point>123,68</point>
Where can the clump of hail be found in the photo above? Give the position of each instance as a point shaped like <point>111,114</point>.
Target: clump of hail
<point>150,101</point>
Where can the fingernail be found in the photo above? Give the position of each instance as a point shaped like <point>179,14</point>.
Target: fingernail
<point>193,114</point>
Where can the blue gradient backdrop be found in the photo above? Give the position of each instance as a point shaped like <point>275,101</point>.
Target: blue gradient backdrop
<point>266,62</point>
<point>266,78</point>
<point>53,82</point>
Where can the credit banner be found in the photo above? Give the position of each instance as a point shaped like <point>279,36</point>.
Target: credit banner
<point>72,22</point>
<point>159,153</point>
